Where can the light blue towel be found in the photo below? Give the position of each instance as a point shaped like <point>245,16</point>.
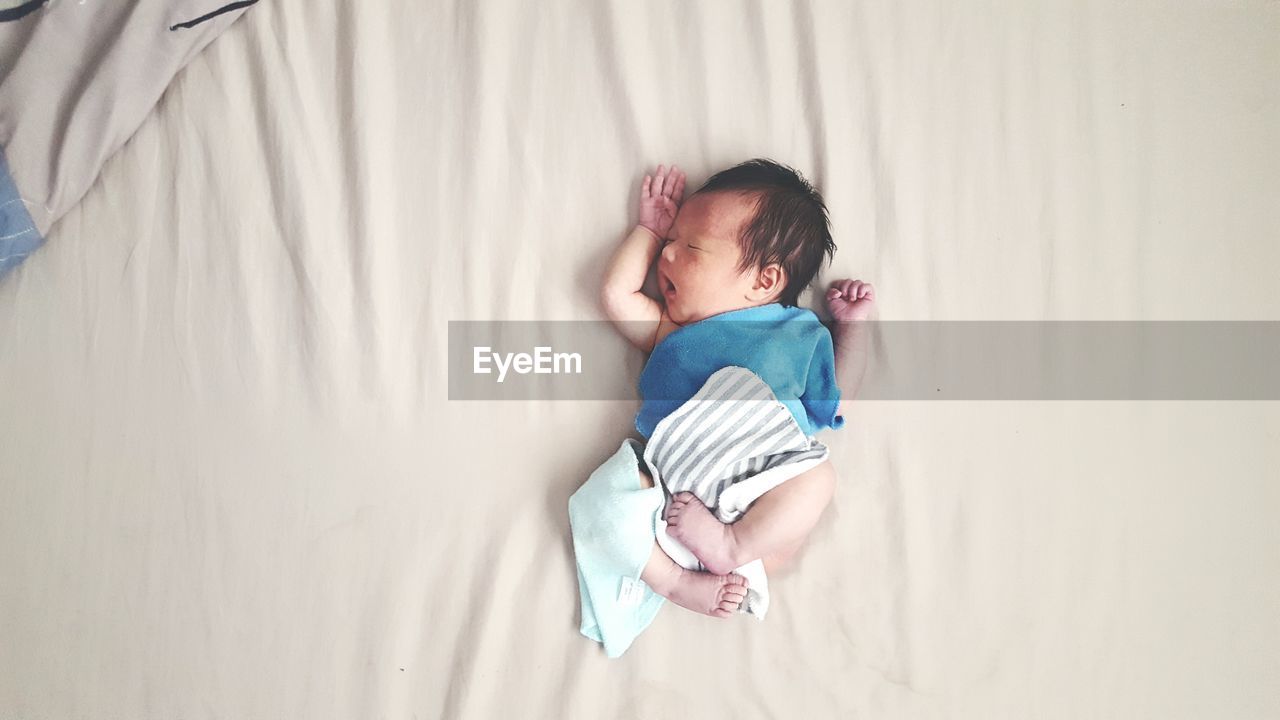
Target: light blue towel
<point>613,520</point>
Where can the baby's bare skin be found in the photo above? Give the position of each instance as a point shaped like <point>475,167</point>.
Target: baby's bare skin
<point>772,530</point>
<point>702,592</point>
<point>717,595</point>
<point>698,277</point>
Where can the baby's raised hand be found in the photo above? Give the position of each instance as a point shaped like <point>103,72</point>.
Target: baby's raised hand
<point>660,198</point>
<point>850,300</point>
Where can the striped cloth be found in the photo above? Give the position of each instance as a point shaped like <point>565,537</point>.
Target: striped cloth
<point>729,444</point>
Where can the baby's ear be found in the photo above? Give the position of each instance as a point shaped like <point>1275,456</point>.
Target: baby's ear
<point>770,280</point>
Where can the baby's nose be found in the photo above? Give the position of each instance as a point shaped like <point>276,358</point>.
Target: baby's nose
<point>669,252</point>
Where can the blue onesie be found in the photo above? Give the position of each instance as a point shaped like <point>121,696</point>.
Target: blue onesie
<point>788,347</point>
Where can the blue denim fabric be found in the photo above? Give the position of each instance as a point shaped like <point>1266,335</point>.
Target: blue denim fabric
<point>18,234</point>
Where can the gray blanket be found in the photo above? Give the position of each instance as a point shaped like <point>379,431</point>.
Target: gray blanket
<point>76,81</point>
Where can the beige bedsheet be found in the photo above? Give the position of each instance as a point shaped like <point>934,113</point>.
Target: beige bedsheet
<point>232,484</point>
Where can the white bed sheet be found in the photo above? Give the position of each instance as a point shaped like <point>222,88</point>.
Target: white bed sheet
<point>232,484</point>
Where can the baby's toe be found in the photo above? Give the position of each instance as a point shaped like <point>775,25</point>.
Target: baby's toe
<point>721,613</point>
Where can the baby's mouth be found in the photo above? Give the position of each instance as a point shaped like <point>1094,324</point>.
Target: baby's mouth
<point>666,286</point>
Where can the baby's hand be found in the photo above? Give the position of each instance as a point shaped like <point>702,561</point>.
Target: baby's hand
<point>850,300</point>
<point>660,198</point>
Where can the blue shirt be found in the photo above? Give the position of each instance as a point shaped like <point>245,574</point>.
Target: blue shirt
<point>788,347</point>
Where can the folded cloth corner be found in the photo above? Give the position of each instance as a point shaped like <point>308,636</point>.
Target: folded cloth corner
<point>612,518</point>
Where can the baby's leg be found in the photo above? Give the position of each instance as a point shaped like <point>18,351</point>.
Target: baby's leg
<point>715,595</point>
<point>774,528</point>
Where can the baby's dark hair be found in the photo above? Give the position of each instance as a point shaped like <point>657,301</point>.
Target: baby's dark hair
<point>790,227</point>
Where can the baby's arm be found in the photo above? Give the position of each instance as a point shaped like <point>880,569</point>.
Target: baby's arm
<point>635,314</point>
<point>850,303</point>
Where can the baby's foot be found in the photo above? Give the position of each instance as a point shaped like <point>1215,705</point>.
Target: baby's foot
<point>715,595</point>
<point>710,540</point>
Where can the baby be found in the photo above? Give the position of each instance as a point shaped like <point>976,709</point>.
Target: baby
<point>754,235</point>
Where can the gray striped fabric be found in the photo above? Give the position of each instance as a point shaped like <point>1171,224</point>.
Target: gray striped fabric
<point>732,430</point>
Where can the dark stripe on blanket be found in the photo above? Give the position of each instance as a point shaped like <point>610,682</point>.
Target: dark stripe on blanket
<point>212,15</point>
<point>23,10</point>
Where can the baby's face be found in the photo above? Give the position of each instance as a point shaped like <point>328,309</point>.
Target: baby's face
<point>698,270</point>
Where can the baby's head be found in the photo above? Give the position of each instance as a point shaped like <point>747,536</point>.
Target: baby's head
<point>754,234</point>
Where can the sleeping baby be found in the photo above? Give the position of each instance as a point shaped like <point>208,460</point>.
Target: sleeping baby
<point>734,260</point>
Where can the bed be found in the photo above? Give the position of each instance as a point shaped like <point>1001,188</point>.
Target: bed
<point>234,484</point>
